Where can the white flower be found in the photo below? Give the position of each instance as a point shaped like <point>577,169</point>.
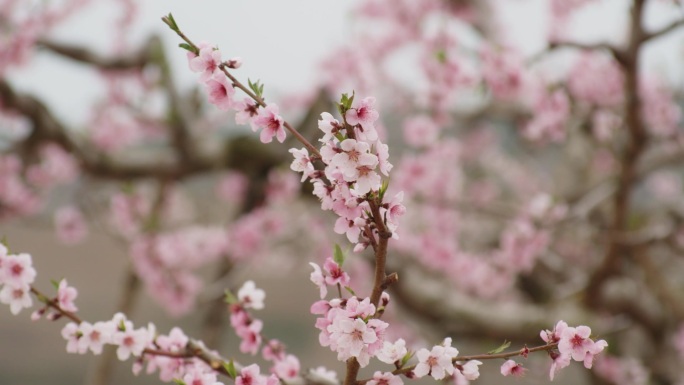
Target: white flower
<point>251,297</point>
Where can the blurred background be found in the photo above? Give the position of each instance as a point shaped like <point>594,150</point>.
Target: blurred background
<point>306,52</point>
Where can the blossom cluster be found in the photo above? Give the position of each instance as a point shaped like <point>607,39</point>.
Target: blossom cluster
<point>163,353</point>
<point>285,366</point>
<point>352,154</point>
<point>573,343</point>
<point>347,326</point>
<point>221,93</point>
<point>16,276</point>
<point>438,363</point>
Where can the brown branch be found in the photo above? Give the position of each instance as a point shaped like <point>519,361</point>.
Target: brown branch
<point>647,36</point>
<point>135,60</point>
<point>262,103</point>
<point>519,352</point>
<point>630,157</point>
<point>152,53</point>
<point>616,52</point>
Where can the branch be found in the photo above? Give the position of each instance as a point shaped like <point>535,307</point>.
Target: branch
<point>519,352</point>
<point>647,36</point>
<point>136,60</point>
<point>617,53</point>
<point>635,147</point>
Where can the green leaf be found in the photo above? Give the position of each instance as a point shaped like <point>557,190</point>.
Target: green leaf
<point>178,381</point>
<point>441,56</point>
<point>189,48</point>
<point>501,348</point>
<point>229,297</point>
<point>345,103</point>
<point>383,188</point>
<point>406,358</point>
<point>230,369</point>
<point>55,283</point>
<point>350,290</point>
<point>170,21</point>
<point>338,255</point>
<point>256,87</point>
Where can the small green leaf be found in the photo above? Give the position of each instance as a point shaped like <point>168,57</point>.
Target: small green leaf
<point>501,348</point>
<point>229,298</point>
<point>230,369</point>
<point>178,381</point>
<point>256,87</point>
<point>122,325</point>
<point>441,56</point>
<point>338,255</point>
<point>189,48</point>
<point>345,103</point>
<point>406,358</point>
<point>55,283</point>
<point>350,290</point>
<point>383,188</point>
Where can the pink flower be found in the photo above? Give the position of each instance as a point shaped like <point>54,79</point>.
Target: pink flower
<point>329,125</point>
<point>95,336</point>
<point>365,116</point>
<point>17,270</point>
<point>71,334</point>
<point>251,337</point>
<point>513,368</point>
<point>436,362</point>
<point>271,124</point>
<point>470,370</point>
<point>336,274</point>
<point>318,279</point>
<point>220,91</point>
<point>596,348</point>
<point>560,361</point>
<point>16,297</point>
<point>130,342</point>
<point>249,375</point>
<point>197,376</point>
<point>352,154</point>
<point>66,296</point>
<point>302,163</point>
<point>234,62</point>
<point>250,296</point>
<point>385,378</point>
<point>71,227</point>
<point>274,350</point>
<point>247,109</point>
<point>383,158</point>
<point>321,375</point>
<point>394,210</point>
<point>392,352</point>
<point>287,369</point>
<point>575,342</point>
<point>206,62</point>
<point>352,228</point>
<point>353,336</point>
<point>554,336</point>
